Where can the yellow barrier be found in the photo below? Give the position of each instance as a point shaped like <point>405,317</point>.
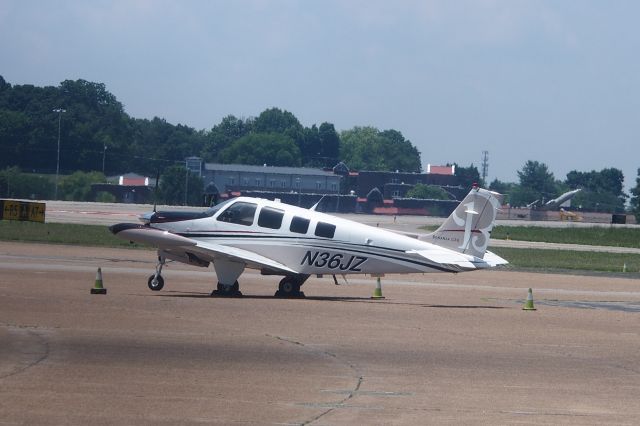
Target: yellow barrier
<point>22,210</point>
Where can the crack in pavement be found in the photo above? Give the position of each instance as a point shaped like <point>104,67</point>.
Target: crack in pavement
<point>32,349</point>
<point>349,393</point>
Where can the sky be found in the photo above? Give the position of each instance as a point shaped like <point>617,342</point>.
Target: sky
<point>552,81</point>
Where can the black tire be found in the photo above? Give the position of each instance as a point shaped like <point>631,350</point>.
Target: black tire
<point>223,290</point>
<point>288,287</point>
<point>157,286</point>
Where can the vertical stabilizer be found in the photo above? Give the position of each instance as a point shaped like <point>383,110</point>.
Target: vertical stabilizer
<point>468,228</point>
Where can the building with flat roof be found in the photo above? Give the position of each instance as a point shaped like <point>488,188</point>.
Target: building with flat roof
<point>225,178</point>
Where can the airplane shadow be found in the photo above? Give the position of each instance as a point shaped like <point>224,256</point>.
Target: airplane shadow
<point>349,299</point>
<point>464,306</point>
<point>195,295</point>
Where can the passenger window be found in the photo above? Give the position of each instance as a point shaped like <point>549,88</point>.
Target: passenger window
<point>299,225</point>
<point>270,218</point>
<point>326,230</point>
<point>240,213</point>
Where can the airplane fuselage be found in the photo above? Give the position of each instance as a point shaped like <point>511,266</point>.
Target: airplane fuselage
<point>285,240</point>
<point>312,242</point>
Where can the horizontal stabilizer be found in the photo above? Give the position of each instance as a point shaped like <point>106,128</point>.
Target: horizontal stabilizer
<point>447,257</point>
<point>460,260</point>
<point>493,259</point>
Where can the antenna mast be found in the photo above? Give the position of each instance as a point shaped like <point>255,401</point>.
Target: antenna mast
<point>485,167</point>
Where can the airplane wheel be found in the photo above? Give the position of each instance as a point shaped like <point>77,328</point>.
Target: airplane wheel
<point>222,290</point>
<point>155,285</point>
<point>288,288</point>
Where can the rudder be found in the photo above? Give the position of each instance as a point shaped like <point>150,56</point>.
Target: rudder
<point>468,228</point>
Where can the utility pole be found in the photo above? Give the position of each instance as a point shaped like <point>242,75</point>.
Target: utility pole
<point>186,185</point>
<point>104,154</point>
<point>485,167</point>
<point>59,111</point>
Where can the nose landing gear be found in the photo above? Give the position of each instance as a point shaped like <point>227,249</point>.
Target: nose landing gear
<point>155,281</point>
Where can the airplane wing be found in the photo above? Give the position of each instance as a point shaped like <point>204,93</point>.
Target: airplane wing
<point>174,243</point>
<point>251,259</point>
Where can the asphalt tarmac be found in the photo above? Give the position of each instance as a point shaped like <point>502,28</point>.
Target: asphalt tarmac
<point>439,349</point>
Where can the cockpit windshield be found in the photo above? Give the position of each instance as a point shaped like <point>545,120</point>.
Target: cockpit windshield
<point>215,209</point>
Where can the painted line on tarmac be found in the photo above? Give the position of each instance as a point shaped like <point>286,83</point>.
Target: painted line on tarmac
<point>606,305</point>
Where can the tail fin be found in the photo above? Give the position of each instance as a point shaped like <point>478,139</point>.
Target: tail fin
<point>468,228</point>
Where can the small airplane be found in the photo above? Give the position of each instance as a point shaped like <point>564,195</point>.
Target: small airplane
<point>555,203</point>
<point>293,242</point>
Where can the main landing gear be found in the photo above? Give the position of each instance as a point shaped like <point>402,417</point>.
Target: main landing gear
<point>227,290</point>
<point>227,272</point>
<point>289,286</point>
<point>155,281</point>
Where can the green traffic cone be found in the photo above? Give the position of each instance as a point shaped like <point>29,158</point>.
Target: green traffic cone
<point>98,288</point>
<point>528,304</point>
<point>377,293</point>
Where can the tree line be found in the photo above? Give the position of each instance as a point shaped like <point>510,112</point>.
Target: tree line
<point>99,136</point>
<point>602,191</point>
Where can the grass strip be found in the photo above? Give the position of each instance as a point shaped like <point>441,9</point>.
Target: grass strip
<point>594,236</point>
<point>61,233</point>
<point>569,260</point>
<point>600,236</point>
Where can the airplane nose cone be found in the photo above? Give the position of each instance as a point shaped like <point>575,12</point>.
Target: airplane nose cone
<point>119,227</point>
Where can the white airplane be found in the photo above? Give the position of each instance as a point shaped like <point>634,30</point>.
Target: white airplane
<point>281,239</point>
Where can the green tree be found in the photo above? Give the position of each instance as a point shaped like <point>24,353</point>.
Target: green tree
<point>400,152</point>
<point>311,148</point>
<point>105,197</point>
<point>158,143</point>
<point>366,148</point>
<point>502,188</point>
<point>601,191</point>
<point>77,186</point>
<point>277,121</point>
<point>329,144</point>
<point>635,198</point>
<point>93,119</point>
<point>222,135</point>
<point>536,184</point>
<point>428,192</point>
<point>262,148</point>
<point>16,184</point>
<point>174,182</point>
<point>468,175</point>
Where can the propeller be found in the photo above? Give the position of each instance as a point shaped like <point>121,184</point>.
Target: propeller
<point>147,217</point>
<point>155,191</point>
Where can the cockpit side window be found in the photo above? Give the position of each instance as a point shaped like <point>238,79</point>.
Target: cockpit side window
<point>326,230</point>
<point>270,218</point>
<point>299,225</point>
<point>241,213</point>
